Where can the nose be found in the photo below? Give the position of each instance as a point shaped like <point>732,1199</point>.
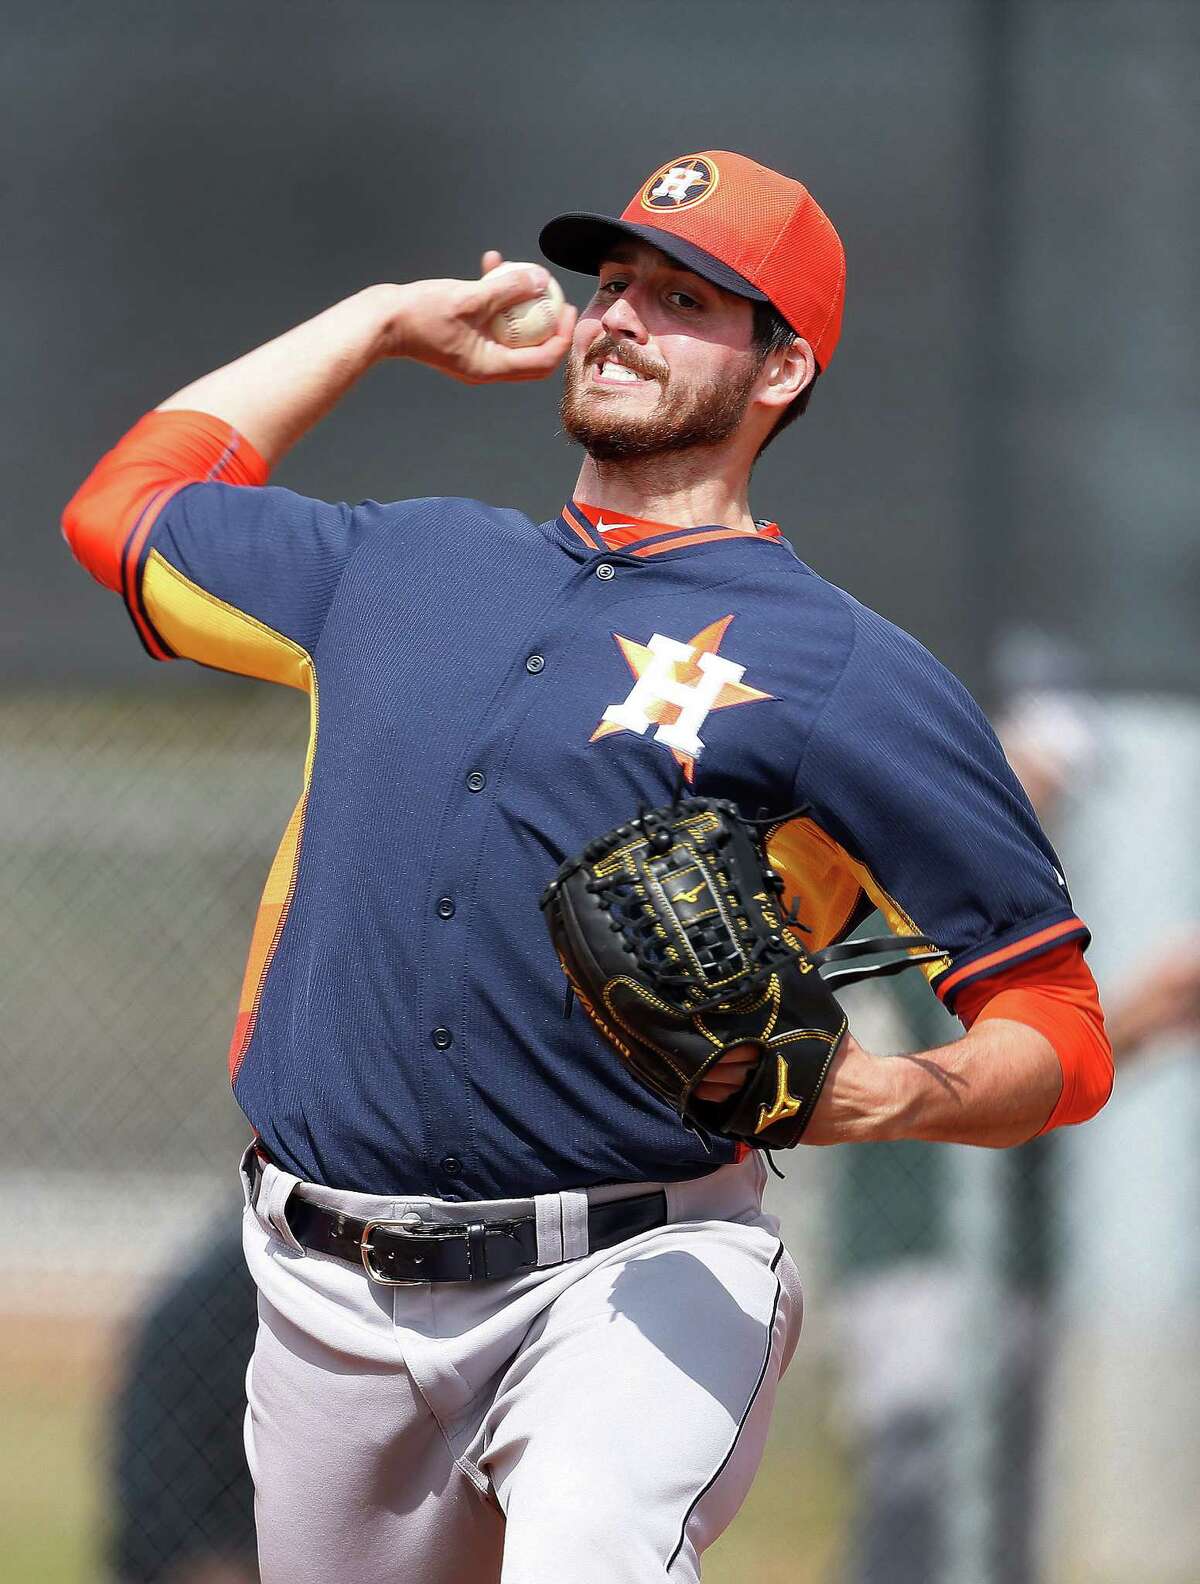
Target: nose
<point>622,322</point>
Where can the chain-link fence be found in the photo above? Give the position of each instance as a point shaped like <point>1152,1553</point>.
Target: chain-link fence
<point>137,832</point>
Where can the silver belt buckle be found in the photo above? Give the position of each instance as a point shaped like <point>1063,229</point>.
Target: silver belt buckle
<point>412,1226</point>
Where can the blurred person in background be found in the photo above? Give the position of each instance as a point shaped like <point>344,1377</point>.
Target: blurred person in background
<point>181,1501</point>
<point>901,1309</point>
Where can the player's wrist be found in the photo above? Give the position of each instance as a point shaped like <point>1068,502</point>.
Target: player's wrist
<point>387,310</point>
<point>859,1102</point>
<point>863,1100</point>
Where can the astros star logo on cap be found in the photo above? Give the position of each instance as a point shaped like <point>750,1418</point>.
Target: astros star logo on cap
<point>681,183</point>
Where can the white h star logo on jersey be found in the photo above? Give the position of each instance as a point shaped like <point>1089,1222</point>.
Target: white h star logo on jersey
<point>676,686</point>
<point>675,182</point>
<point>658,682</point>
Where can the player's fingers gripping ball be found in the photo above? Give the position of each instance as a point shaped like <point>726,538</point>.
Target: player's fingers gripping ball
<point>533,319</point>
<point>670,934</point>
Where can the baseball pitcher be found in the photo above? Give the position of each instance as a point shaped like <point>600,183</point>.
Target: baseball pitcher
<point>522,1314</point>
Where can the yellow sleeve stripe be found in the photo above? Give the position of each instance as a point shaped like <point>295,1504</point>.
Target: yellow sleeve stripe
<point>828,882</point>
<point>268,927</point>
<point>201,627</point>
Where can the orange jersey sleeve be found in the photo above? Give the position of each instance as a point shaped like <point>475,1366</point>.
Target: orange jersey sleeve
<point>1056,995</point>
<point>213,564</point>
<point>110,515</point>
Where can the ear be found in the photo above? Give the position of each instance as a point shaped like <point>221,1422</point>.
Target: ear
<point>786,373</point>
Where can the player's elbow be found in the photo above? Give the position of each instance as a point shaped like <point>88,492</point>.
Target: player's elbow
<point>1095,1067</point>
<point>1088,1074</point>
<point>1096,1080</point>
<point>94,538</point>
<point>99,518</point>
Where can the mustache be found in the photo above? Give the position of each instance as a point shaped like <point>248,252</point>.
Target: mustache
<point>631,357</point>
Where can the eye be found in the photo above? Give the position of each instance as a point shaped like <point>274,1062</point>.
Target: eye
<point>681,299</point>
<point>611,286</point>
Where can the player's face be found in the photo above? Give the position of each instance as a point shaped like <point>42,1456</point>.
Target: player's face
<point>661,360</point>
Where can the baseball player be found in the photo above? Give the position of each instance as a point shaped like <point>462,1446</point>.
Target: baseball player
<point>516,1322</point>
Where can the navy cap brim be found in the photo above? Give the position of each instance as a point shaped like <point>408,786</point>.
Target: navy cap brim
<point>580,242</point>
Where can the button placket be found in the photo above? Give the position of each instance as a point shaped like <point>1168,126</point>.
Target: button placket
<point>450,1065</point>
<point>491,749</point>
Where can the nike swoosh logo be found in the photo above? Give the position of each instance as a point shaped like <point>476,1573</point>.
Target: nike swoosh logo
<point>603,526</point>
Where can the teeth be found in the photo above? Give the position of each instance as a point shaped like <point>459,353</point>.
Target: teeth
<point>617,371</point>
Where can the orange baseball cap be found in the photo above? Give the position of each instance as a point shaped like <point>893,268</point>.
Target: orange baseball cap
<point>740,225</point>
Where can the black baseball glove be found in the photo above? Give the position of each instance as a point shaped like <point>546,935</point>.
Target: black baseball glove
<point>670,934</point>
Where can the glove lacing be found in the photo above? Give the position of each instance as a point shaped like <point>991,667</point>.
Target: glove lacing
<point>634,917</point>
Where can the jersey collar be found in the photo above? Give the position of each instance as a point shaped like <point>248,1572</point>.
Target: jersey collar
<point>599,529</point>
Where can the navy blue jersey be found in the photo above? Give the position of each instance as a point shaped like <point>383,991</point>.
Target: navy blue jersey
<point>489,693</point>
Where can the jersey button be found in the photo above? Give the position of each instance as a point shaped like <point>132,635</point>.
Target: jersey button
<point>451,1165</point>
<point>442,1038</point>
<point>534,664</point>
<point>476,781</point>
<point>445,907</point>
<point>605,571</point>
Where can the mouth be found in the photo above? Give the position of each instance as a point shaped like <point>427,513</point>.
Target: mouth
<point>610,374</point>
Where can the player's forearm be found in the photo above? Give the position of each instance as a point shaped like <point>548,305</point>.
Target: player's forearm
<point>996,1086</point>
<point>276,393</point>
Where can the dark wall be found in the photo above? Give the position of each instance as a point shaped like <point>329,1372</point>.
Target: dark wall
<point>1106,281</point>
<point>190,180</point>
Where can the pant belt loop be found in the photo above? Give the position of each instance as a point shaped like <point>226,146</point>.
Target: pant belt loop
<point>273,1193</point>
<point>548,1221</point>
<point>574,1224</point>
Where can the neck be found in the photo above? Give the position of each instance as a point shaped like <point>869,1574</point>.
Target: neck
<point>668,489</point>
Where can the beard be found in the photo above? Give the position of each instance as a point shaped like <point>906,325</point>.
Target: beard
<point>682,419</point>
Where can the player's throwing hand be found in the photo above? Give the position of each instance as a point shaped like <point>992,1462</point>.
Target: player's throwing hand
<point>447,324</point>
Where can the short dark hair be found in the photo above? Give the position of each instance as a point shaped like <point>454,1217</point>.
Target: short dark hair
<point>772,333</point>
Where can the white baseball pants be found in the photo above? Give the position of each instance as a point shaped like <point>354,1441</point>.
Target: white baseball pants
<point>597,1421</point>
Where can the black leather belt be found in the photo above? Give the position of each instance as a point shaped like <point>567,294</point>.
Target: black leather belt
<point>406,1252</point>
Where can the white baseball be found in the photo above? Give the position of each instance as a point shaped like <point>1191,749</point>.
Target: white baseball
<point>530,321</point>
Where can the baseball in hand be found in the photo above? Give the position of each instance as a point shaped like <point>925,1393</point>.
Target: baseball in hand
<point>530,321</point>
